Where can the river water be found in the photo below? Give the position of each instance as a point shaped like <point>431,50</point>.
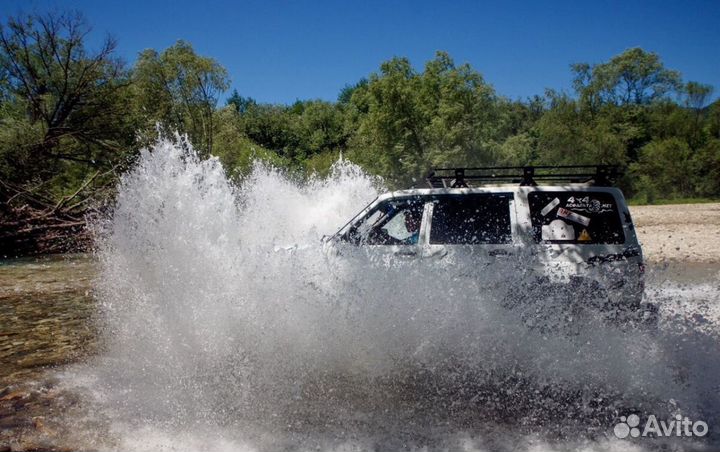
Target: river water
<point>210,318</point>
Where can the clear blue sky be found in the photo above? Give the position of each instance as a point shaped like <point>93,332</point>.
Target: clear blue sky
<point>282,51</point>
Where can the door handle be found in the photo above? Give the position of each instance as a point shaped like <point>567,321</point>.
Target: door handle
<point>498,253</point>
<point>437,253</point>
<point>406,253</point>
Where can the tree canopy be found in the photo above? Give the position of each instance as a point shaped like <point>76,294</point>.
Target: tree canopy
<point>61,103</point>
<point>72,118</point>
<point>179,89</point>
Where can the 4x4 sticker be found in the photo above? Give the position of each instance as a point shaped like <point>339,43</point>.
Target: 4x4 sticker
<point>588,204</point>
<point>572,216</point>
<point>546,210</point>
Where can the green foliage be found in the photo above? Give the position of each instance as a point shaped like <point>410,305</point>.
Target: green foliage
<point>566,136</point>
<point>63,111</point>
<point>663,169</point>
<point>697,95</point>
<point>408,122</point>
<point>235,150</point>
<point>320,164</point>
<point>633,77</point>
<point>518,150</point>
<point>298,132</point>
<point>67,113</point>
<point>712,123</point>
<point>320,128</point>
<point>706,169</point>
<point>240,103</point>
<point>179,90</point>
<point>346,93</point>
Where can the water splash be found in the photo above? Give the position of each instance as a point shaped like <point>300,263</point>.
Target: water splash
<point>227,327</point>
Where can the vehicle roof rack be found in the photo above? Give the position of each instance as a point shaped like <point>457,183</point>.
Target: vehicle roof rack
<point>526,176</point>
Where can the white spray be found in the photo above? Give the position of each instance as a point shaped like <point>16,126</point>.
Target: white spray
<point>223,316</point>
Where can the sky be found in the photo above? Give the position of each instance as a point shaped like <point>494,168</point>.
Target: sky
<point>281,51</point>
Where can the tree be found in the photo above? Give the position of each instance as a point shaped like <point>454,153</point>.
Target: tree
<point>665,169</point>
<point>713,121</point>
<point>234,149</point>
<point>410,121</point>
<point>348,90</point>
<point>566,136</point>
<point>69,101</point>
<point>64,130</point>
<point>321,128</point>
<point>697,95</point>
<point>179,89</point>
<point>393,126</point>
<point>297,132</point>
<point>272,127</point>
<point>240,103</point>
<point>635,77</point>
<point>706,169</point>
<point>518,150</point>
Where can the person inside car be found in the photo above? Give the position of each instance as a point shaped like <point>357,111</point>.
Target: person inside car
<point>413,218</point>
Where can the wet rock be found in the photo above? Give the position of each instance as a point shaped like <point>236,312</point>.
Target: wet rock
<point>14,395</point>
<point>30,444</point>
<point>15,422</point>
<point>39,422</point>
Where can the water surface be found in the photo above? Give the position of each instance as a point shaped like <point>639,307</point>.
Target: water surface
<point>211,318</point>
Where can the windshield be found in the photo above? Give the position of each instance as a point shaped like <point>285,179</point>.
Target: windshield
<point>395,222</point>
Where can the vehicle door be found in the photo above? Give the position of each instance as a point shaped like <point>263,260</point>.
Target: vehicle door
<point>472,231</point>
<point>582,231</point>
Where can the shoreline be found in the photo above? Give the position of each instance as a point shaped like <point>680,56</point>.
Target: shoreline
<point>679,233</point>
<point>668,233</point>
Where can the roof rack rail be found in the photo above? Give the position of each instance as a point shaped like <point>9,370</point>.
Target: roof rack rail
<point>600,175</point>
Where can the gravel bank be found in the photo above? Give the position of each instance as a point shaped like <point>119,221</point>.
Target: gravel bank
<point>679,232</point>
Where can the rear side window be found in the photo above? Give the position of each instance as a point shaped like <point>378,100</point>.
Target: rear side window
<point>575,217</point>
<point>471,219</point>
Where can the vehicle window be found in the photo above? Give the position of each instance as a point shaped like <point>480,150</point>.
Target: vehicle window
<point>575,217</point>
<point>395,222</point>
<point>471,219</point>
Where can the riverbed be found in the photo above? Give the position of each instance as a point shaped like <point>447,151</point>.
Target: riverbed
<point>53,350</point>
<point>47,304</point>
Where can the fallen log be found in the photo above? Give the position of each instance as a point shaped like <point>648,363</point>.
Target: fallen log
<point>28,235</point>
<point>34,220</point>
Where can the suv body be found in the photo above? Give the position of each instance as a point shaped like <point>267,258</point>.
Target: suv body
<point>576,236</point>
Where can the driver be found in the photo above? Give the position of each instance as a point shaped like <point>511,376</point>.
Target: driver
<point>413,218</point>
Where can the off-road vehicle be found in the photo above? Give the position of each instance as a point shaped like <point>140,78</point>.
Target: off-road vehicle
<point>565,228</point>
